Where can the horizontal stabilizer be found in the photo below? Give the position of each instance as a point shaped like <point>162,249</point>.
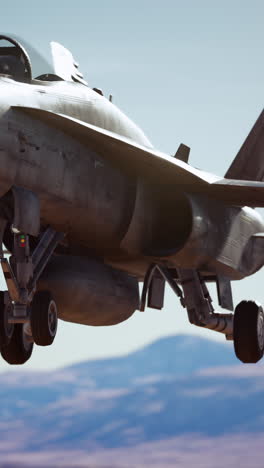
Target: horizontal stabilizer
<point>249,162</point>
<point>239,192</point>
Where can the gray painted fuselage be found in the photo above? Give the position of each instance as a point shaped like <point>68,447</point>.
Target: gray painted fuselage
<point>106,212</point>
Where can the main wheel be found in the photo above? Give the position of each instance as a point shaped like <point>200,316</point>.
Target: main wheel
<point>6,329</point>
<point>19,349</point>
<point>249,332</point>
<point>44,318</point>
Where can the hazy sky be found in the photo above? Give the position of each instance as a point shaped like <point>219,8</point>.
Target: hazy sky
<point>185,71</point>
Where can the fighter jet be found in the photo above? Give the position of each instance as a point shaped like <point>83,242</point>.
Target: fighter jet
<point>89,209</point>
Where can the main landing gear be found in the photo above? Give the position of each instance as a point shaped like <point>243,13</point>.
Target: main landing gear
<point>20,346</point>
<point>27,316</point>
<point>245,327</point>
<point>249,331</point>
<point>43,318</point>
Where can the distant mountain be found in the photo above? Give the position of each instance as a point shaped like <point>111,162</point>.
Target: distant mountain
<point>169,357</point>
<point>177,386</point>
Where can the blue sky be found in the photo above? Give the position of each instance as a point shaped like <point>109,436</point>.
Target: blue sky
<point>190,72</point>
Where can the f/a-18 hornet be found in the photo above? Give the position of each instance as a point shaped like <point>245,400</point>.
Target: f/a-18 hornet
<point>88,209</point>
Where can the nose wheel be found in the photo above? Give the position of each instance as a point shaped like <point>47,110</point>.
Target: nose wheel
<point>249,332</point>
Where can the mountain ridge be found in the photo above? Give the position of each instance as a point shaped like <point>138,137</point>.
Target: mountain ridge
<point>175,387</point>
<point>174,354</point>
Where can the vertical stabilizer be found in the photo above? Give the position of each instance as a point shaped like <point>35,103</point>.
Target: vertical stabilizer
<point>249,162</point>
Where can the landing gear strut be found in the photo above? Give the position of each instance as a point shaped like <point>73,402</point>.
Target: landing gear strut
<point>245,326</point>
<point>27,316</point>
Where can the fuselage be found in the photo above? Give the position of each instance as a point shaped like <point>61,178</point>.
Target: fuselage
<point>74,100</point>
<point>79,192</point>
<point>105,212</point>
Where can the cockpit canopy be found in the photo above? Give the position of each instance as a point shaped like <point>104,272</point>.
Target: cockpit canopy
<point>21,66</point>
<point>14,60</point>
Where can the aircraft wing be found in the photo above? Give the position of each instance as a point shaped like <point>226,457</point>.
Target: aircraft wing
<point>151,164</point>
<point>122,151</point>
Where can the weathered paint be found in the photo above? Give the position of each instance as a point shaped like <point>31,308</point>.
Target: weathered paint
<point>125,220</point>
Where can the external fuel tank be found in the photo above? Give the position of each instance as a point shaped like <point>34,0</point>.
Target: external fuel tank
<point>89,292</point>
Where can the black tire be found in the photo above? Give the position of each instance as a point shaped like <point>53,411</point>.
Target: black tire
<point>249,331</point>
<point>6,329</point>
<point>19,349</point>
<point>44,318</point>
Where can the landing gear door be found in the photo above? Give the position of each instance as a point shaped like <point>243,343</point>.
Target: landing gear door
<point>26,211</point>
